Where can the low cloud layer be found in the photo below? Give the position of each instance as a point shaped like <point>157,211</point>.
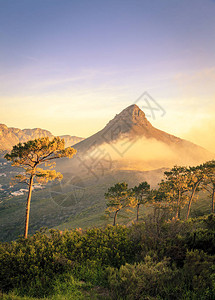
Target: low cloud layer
<point>143,154</point>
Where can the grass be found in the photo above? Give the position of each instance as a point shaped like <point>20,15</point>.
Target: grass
<point>65,288</point>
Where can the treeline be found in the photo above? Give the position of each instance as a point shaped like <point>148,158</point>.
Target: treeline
<point>168,260</point>
<point>178,190</point>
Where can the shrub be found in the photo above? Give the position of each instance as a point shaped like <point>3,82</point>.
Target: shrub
<point>199,271</point>
<point>143,280</point>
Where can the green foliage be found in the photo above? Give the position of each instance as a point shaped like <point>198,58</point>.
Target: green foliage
<point>118,198</point>
<point>33,153</point>
<point>143,280</point>
<point>155,259</point>
<point>151,279</point>
<point>43,256</point>
<point>64,286</point>
<point>141,192</point>
<point>199,270</point>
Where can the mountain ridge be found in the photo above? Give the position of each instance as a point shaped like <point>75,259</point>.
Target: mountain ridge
<point>10,136</point>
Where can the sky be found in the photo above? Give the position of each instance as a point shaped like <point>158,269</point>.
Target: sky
<point>70,66</point>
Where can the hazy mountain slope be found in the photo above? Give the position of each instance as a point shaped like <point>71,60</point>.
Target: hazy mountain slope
<point>12,136</point>
<point>132,127</point>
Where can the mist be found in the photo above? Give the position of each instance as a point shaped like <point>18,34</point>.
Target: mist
<point>134,154</point>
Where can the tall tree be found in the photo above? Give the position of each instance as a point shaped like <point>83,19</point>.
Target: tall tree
<point>32,154</point>
<point>195,177</point>
<point>159,199</point>
<point>209,181</point>
<point>119,197</point>
<point>141,193</point>
<point>175,187</point>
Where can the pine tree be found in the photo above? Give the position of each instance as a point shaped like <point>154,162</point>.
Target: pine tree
<point>32,154</point>
<point>119,197</point>
<point>141,193</point>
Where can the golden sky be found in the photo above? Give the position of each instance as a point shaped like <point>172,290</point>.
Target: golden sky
<point>70,67</point>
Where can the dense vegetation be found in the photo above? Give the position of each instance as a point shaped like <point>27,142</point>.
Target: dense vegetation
<point>154,259</point>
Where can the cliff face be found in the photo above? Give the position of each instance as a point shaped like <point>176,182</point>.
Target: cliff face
<point>12,136</point>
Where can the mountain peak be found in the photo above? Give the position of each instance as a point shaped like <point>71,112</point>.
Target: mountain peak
<point>132,108</point>
<point>133,111</point>
<point>131,116</point>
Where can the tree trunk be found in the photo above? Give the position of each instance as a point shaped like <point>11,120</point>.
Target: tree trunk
<point>190,202</point>
<point>114,219</point>
<point>212,200</point>
<point>178,205</point>
<point>179,212</point>
<point>28,206</point>
<point>155,210</point>
<point>191,199</point>
<point>158,223</point>
<point>138,207</point>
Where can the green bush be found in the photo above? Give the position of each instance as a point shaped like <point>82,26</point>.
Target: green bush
<point>199,271</point>
<point>156,259</point>
<point>143,280</point>
<point>32,263</point>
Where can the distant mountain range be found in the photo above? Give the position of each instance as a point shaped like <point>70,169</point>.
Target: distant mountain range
<point>10,136</point>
